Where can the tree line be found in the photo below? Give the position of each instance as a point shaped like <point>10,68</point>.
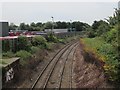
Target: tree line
<point>39,26</point>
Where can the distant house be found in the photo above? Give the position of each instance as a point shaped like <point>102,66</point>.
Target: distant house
<point>56,30</point>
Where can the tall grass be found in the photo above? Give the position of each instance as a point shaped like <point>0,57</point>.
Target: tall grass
<point>105,52</point>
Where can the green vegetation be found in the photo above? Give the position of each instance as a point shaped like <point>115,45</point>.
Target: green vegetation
<point>103,42</point>
<point>30,48</point>
<point>24,56</point>
<point>8,54</point>
<point>52,38</point>
<point>2,62</point>
<point>6,45</point>
<point>23,43</point>
<point>39,26</point>
<point>38,40</point>
<point>34,49</point>
<point>105,52</point>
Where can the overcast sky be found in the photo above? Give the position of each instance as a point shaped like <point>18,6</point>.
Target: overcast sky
<point>61,11</point>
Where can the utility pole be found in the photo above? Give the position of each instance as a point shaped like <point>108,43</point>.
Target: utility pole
<point>72,29</point>
<point>70,25</point>
<point>52,24</point>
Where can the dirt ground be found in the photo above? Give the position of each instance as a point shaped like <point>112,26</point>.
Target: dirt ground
<point>29,75</point>
<point>88,74</point>
<point>85,74</point>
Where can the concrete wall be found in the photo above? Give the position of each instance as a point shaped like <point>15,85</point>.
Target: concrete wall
<point>4,29</point>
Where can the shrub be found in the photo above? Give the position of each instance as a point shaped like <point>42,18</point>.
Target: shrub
<point>111,36</point>
<point>90,33</point>
<point>62,41</point>
<point>52,38</point>
<point>5,45</point>
<point>49,46</point>
<point>39,40</point>
<point>105,52</point>
<point>34,49</point>
<point>8,54</point>
<point>23,43</point>
<point>24,56</point>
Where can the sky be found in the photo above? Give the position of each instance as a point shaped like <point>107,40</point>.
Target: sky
<point>18,12</point>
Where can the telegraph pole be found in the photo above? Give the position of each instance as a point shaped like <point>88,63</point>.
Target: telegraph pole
<point>70,25</point>
<point>52,24</point>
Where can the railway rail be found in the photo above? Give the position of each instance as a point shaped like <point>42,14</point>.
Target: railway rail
<point>58,70</point>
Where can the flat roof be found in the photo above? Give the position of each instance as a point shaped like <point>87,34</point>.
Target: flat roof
<point>8,61</point>
<point>13,37</point>
<point>3,21</point>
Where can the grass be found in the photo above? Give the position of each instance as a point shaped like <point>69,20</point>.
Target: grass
<point>2,62</point>
<point>7,54</point>
<point>24,55</point>
<point>105,52</point>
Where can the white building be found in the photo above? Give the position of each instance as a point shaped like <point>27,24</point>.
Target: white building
<point>57,30</point>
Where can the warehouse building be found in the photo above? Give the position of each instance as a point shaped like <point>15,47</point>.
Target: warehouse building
<point>4,29</point>
<point>56,30</point>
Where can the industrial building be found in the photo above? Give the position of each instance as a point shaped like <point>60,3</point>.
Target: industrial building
<point>4,29</point>
<point>56,30</point>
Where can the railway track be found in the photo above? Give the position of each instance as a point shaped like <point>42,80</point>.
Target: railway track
<point>58,70</point>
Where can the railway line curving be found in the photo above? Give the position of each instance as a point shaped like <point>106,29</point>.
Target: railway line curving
<point>58,70</point>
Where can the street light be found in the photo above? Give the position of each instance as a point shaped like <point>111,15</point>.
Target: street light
<point>72,29</point>
<point>52,23</point>
<point>70,25</point>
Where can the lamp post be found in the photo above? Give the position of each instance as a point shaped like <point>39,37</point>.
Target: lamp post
<point>70,25</point>
<point>52,23</point>
<point>72,29</point>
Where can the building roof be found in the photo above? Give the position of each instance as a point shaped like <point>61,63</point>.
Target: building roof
<point>6,62</point>
<point>13,37</point>
<point>57,30</point>
<point>3,21</point>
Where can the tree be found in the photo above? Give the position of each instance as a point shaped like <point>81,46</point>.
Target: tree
<point>22,26</point>
<point>12,26</point>
<point>27,27</point>
<point>80,26</point>
<point>48,25</point>
<point>33,24</point>
<point>100,27</point>
<point>61,25</point>
<point>39,24</point>
<point>23,43</point>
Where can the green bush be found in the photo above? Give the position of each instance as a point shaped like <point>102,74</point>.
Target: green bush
<point>24,55</point>
<point>111,36</point>
<point>90,33</point>
<point>108,53</point>
<point>49,46</point>
<point>8,54</point>
<point>34,49</point>
<point>38,40</point>
<point>23,43</point>
<point>5,45</point>
<point>52,38</point>
<point>62,41</point>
